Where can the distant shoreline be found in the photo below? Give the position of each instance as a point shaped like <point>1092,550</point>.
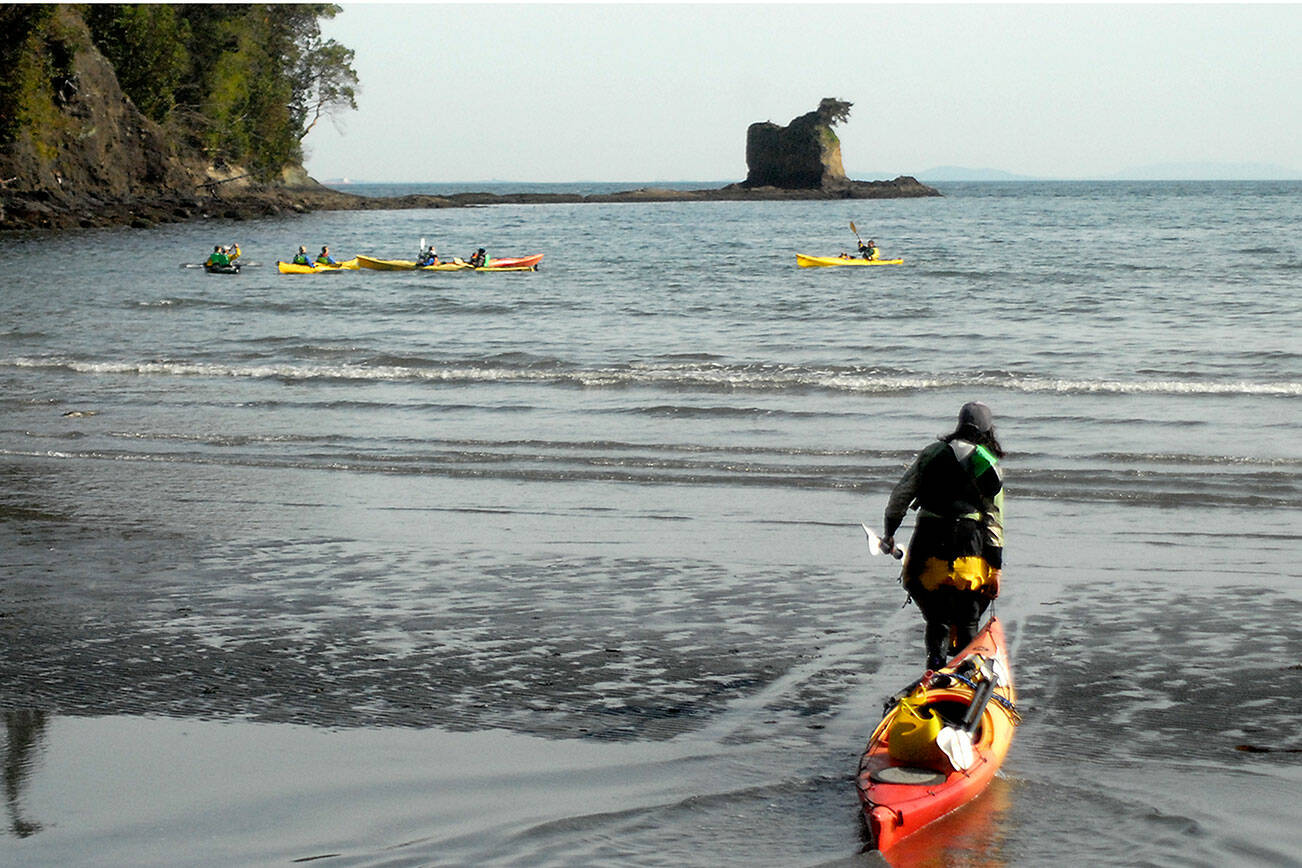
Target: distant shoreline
<point>43,211</point>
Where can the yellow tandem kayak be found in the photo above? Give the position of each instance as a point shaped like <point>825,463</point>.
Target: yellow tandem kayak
<point>408,265</point>
<point>519,263</point>
<point>806,261</point>
<point>294,268</point>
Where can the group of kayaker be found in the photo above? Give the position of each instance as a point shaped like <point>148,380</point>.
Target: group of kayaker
<point>955,556</point>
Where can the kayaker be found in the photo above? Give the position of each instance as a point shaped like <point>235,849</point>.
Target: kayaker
<point>429,257</point>
<point>869,250</point>
<point>218,257</point>
<point>955,555</point>
<point>300,258</point>
<point>478,259</point>
<point>325,258</point>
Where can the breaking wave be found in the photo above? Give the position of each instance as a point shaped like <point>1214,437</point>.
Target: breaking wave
<point>674,376</point>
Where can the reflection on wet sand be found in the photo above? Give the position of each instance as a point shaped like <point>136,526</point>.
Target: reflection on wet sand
<point>24,729</point>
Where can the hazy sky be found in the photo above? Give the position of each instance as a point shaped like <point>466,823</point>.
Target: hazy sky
<point>612,92</point>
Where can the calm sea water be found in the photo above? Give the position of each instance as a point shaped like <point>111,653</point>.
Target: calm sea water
<point>564,567</point>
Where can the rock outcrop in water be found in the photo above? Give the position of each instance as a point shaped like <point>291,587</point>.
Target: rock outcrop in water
<point>805,155</point>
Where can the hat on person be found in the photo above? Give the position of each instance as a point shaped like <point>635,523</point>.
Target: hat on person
<point>977,416</point>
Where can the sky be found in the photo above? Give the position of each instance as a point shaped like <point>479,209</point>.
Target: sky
<point>665,92</point>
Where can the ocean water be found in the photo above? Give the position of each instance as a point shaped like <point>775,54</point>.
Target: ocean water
<point>564,567</point>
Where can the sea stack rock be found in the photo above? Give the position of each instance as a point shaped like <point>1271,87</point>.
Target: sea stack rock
<point>803,155</point>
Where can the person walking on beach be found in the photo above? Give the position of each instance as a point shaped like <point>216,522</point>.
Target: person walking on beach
<point>956,554</point>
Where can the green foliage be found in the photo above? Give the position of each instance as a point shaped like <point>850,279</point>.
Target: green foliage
<point>244,82</point>
<point>834,111</point>
<point>37,49</point>
<point>263,76</point>
<point>147,45</point>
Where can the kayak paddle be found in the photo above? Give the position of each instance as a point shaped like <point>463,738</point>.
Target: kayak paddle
<point>855,231</point>
<point>876,546</point>
<point>956,742</point>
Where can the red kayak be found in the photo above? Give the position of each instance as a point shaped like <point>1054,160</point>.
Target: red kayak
<point>919,779</point>
<point>516,262</point>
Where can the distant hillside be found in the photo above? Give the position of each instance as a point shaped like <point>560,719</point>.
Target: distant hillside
<point>960,173</point>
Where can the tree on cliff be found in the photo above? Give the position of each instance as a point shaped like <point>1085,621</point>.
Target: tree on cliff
<point>834,111</point>
<point>242,83</point>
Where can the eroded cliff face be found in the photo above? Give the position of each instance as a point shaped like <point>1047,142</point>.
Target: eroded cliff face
<point>803,155</point>
<point>88,137</point>
<point>799,156</point>
<point>86,156</point>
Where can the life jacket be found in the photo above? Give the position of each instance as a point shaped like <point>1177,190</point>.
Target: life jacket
<point>957,486</point>
<point>301,259</point>
<point>957,481</point>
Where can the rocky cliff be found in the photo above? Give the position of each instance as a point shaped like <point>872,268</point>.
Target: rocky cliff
<point>87,156</point>
<point>89,145</point>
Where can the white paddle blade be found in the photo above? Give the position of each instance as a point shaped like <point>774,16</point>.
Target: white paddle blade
<point>956,745</point>
<point>877,547</point>
<point>874,541</point>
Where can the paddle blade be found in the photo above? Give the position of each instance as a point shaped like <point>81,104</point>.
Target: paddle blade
<point>956,745</point>
<point>876,546</point>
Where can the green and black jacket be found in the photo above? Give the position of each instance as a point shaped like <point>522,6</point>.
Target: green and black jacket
<point>958,490</point>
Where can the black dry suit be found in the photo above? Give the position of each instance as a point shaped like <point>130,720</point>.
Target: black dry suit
<point>958,490</point>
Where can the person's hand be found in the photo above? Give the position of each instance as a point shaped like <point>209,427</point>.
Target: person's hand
<point>887,545</point>
<point>991,587</point>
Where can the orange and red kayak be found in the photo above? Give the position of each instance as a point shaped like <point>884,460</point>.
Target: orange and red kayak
<point>905,788</point>
<point>515,263</point>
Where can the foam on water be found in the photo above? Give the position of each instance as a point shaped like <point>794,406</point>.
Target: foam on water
<point>673,377</point>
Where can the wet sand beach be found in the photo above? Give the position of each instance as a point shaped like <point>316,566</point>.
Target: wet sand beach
<point>565,567</point>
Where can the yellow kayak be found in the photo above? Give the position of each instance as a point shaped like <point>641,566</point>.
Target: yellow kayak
<point>408,265</point>
<point>293,268</point>
<point>806,261</point>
